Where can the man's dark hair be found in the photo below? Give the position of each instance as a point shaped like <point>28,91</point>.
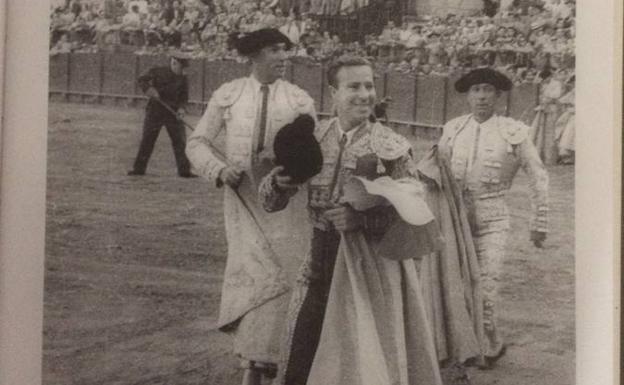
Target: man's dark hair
<point>344,61</point>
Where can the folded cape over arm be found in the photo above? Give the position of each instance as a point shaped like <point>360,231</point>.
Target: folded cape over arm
<point>450,277</point>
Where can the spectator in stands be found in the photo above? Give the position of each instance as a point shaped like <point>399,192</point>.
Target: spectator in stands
<point>185,28</point>
<point>487,27</point>
<point>559,9</point>
<point>168,13</point>
<point>510,40</point>
<point>424,69</point>
<point>192,13</point>
<point>142,6</point>
<point>390,33</point>
<point>75,7</point>
<point>268,19</point>
<point>459,53</point>
<point>208,33</point>
<point>110,9</point>
<point>490,7</point>
<point>178,12</point>
<point>404,32</point>
<point>565,126</point>
<point>132,20</point>
<point>414,39</point>
<point>82,29</point>
<point>281,19</point>
<point>437,52</point>
<point>524,52</point>
<point>291,29</point>
<point>153,33</point>
<point>62,46</point>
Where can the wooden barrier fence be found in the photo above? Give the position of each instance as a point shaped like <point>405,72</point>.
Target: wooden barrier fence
<point>419,103</point>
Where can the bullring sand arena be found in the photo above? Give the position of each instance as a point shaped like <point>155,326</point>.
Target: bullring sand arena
<point>134,266</point>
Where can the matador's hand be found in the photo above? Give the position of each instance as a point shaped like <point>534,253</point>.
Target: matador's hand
<point>282,181</point>
<point>345,218</point>
<point>152,93</point>
<point>231,176</point>
<point>538,237</point>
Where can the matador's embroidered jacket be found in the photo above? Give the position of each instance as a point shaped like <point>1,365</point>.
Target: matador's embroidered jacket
<point>485,158</point>
<point>253,276</point>
<point>373,150</point>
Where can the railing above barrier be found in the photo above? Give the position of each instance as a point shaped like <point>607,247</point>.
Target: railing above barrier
<point>424,101</point>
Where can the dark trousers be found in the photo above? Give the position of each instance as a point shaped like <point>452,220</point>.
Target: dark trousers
<point>154,120</point>
<point>307,331</point>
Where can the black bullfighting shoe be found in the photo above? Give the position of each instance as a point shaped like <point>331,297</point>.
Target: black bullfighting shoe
<point>491,360</point>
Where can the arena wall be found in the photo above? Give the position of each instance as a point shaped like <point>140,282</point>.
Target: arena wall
<point>444,7</point>
<point>426,101</point>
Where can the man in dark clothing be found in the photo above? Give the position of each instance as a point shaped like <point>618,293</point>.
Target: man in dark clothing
<point>168,13</point>
<point>76,8</point>
<point>168,86</point>
<point>490,7</point>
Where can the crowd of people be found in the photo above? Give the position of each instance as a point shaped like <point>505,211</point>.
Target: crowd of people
<point>528,40</point>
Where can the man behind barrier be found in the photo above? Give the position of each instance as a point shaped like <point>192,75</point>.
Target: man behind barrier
<point>167,89</point>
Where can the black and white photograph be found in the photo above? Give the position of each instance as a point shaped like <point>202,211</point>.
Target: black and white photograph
<point>292,192</point>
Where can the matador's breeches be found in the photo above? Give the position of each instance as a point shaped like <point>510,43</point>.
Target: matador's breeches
<point>490,249</point>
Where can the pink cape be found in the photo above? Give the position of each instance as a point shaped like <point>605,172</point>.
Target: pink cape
<point>375,329</point>
<point>450,277</point>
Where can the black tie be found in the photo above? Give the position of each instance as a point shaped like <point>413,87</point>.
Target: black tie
<point>341,144</point>
<point>263,115</point>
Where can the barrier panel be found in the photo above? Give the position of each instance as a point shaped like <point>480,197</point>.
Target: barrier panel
<point>85,73</point>
<point>523,100</point>
<point>148,61</point>
<point>290,72</point>
<point>456,104</point>
<point>212,77</point>
<point>195,74</point>
<point>310,77</point>
<point>328,102</point>
<point>422,100</point>
<point>119,73</point>
<point>401,89</point>
<point>234,70</point>
<point>430,100</point>
<point>380,84</point>
<point>502,104</point>
<point>59,72</point>
<point>218,72</point>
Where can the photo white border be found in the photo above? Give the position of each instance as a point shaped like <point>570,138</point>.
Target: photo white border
<point>598,181</point>
<point>22,189</point>
<point>22,186</point>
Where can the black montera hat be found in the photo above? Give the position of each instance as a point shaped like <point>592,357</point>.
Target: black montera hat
<point>247,43</point>
<point>297,150</point>
<point>483,75</point>
<point>182,57</point>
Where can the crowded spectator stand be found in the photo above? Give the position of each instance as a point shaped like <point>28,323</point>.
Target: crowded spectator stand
<point>552,127</point>
<point>531,41</point>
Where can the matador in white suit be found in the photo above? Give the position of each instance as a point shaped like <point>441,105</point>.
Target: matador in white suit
<point>486,151</point>
<point>263,252</point>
